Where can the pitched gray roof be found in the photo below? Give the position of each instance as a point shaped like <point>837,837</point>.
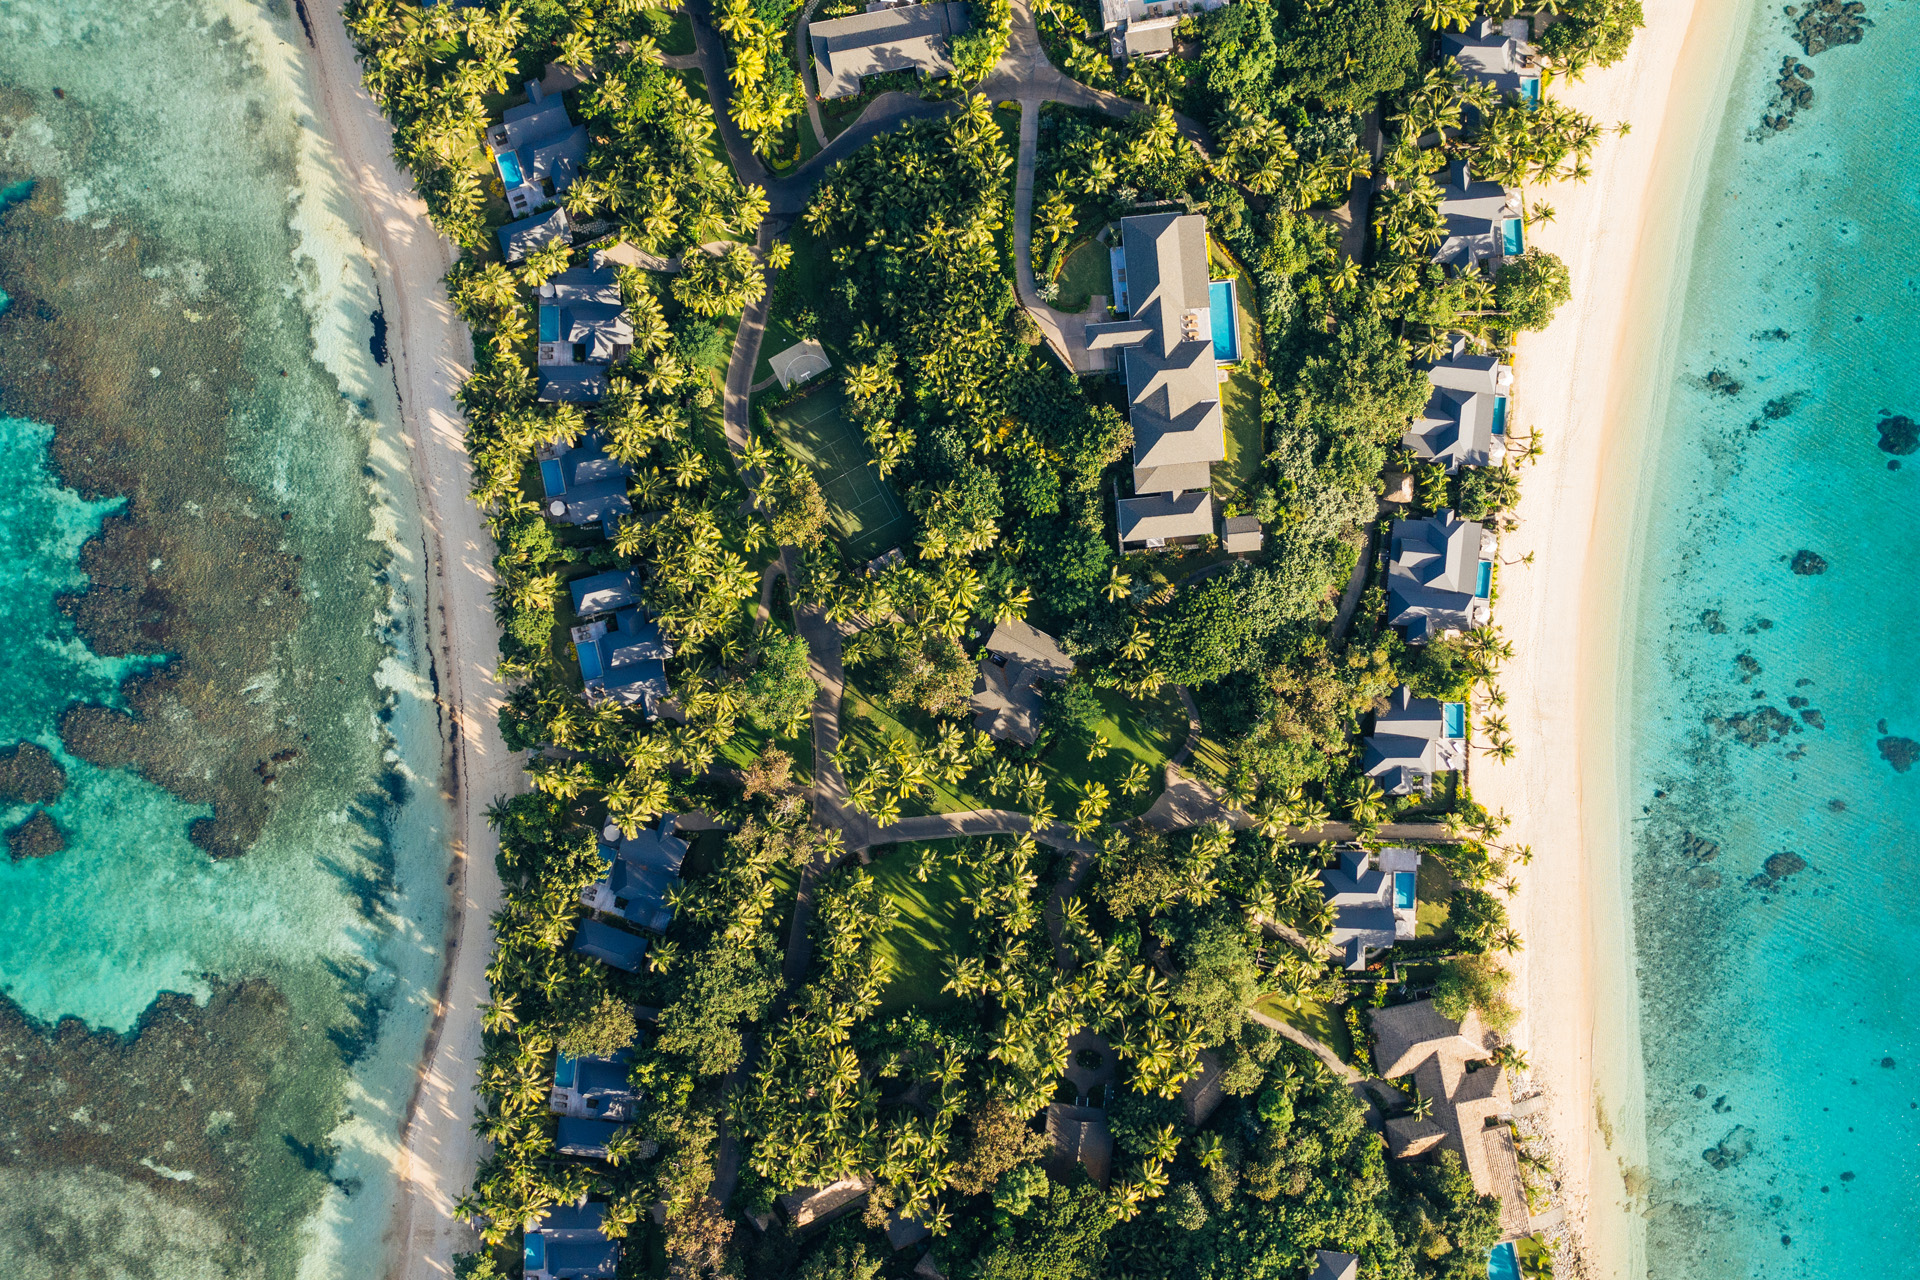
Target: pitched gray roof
<point>518,239</point>
<point>605,592</point>
<point>1241,534</point>
<point>1433,577</point>
<point>1163,515</point>
<point>1409,744</point>
<point>914,38</point>
<point>1361,890</point>
<point>1166,343</point>
<point>1497,53</point>
<point>1475,214</point>
<point>1144,41</point>
<point>609,945</point>
<point>1015,639</point>
<point>573,383</point>
<point>1329,1265</point>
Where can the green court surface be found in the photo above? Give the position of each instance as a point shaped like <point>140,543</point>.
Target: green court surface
<point>816,430</point>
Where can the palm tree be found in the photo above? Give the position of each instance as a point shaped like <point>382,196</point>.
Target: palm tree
<point>1509,941</point>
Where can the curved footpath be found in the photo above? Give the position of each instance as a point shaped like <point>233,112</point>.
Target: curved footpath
<point>438,1149</point>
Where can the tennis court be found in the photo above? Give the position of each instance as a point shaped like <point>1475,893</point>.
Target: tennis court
<point>816,430</point>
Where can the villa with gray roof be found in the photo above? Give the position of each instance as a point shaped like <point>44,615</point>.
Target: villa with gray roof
<point>1166,350</point>
<point>623,658</point>
<point>915,37</point>
<point>1412,740</point>
<point>568,1243</point>
<point>584,330</point>
<point>538,150</point>
<point>607,592</point>
<point>594,1088</point>
<point>1439,576</point>
<point>1328,1265</point>
<point>1499,54</point>
<point>518,239</point>
<point>583,485</point>
<point>1373,898</point>
<point>1139,29</point>
<point>1484,223</point>
<point>641,871</point>
<point>1465,421</point>
<point>610,946</point>
<point>1006,697</point>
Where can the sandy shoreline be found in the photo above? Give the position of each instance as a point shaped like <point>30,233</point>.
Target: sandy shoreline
<point>430,353</point>
<point>1585,385</point>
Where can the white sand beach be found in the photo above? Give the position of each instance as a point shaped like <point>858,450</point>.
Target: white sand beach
<point>431,353</point>
<point>1584,385</point>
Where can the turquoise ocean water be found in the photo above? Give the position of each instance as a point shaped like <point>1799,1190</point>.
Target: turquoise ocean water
<point>1774,847</point>
<point>209,1059</point>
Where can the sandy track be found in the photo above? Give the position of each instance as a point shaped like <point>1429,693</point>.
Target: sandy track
<point>431,353</point>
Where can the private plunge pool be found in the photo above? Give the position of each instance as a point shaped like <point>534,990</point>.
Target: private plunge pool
<point>1483,588</point>
<point>1456,718</point>
<point>509,169</point>
<point>1503,1263</point>
<point>1223,306</point>
<point>535,1257</point>
<point>1403,890</point>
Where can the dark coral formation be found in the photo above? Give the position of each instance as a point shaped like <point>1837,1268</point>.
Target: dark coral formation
<point>30,775</point>
<point>1776,870</point>
<point>1725,383</point>
<point>1898,752</point>
<point>1792,95</point>
<point>1809,563</point>
<point>1899,434</point>
<point>1731,1150</point>
<point>1756,728</point>
<point>38,837</point>
<point>1828,24</point>
<point>192,569</point>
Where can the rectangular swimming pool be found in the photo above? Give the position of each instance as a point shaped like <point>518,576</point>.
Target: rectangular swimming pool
<point>1499,415</point>
<point>552,477</point>
<point>509,169</point>
<point>563,1071</point>
<point>1503,1263</point>
<point>1456,718</point>
<point>589,661</point>
<point>1484,588</point>
<point>1223,306</point>
<point>1515,240</point>
<point>1403,890</point>
<point>549,324</point>
<point>535,1257</point>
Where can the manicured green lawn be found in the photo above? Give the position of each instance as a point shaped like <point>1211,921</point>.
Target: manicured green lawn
<point>1323,1022</point>
<point>865,509</point>
<point>932,924</point>
<point>794,290</point>
<point>678,38</point>
<point>1431,888</point>
<point>1146,731</point>
<point>1086,272</point>
<point>1234,481</point>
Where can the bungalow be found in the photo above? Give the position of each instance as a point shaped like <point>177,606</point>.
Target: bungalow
<point>640,872</point>
<point>594,1088</point>
<point>584,1137</point>
<point>623,658</point>
<point>568,1244</point>
<point>1472,1102</point>
<point>1328,1265</point>
<point>1499,54</point>
<point>608,592</point>
<point>1141,30</point>
<point>1484,222</point>
<point>1171,358</point>
<point>583,485</point>
<point>538,150</point>
<point>916,37</point>
<point>583,330</point>
<point>1414,739</point>
<point>1240,535</point>
<point>610,946</point>
<point>1372,895</point>
<point>518,239</point>
<point>806,1206</point>
<point>1006,703</point>
<point>1439,576</point>
<point>1080,1136</point>
<point>1465,421</point>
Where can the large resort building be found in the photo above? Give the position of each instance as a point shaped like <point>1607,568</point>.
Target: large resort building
<point>584,331</point>
<point>1439,576</point>
<point>1179,329</point>
<point>1465,421</point>
<point>912,37</point>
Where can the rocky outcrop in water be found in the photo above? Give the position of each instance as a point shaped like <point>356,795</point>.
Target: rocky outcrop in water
<point>1899,434</point>
<point>1828,24</point>
<point>1899,752</point>
<point>1792,95</point>
<point>38,837</point>
<point>1809,563</point>
<point>30,775</point>
<point>1756,728</point>
<point>1777,869</point>
<point>1730,1150</point>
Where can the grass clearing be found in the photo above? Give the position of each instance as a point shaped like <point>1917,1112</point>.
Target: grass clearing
<point>865,722</point>
<point>804,279</point>
<point>1235,480</point>
<point>1432,887</point>
<point>1086,273</point>
<point>932,920</point>
<point>1323,1022</point>
<point>677,39</point>
<point>864,508</point>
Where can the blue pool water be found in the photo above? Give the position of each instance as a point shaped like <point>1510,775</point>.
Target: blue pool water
<point>1499,415</point>
<point>509,169</point>
<point>1403,889</point>
<point>1516,243</point>
<point>552,477</point>
<point>536,1252</point>
<point>1530,90</point>
<point>549,324</point>
<point>1221,303</point>
<point>589,661</point>
<point>563,1071</point>
<point>1456,713</point>
<point>1484,587</point>
<point>1503,1263</point>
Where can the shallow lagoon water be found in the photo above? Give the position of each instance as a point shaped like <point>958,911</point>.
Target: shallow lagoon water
<point>244,1124</point>
<point>1774,845</point>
